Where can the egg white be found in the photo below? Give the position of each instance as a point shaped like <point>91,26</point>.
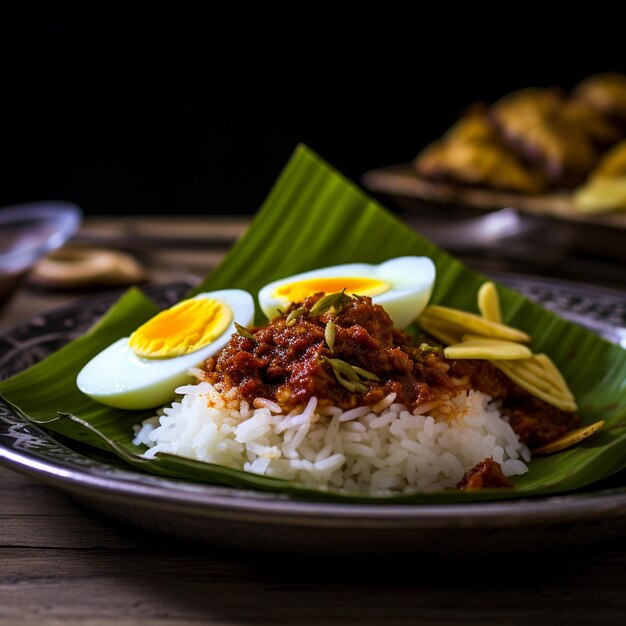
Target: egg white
<point>411,281</point>
<point>119,378</point>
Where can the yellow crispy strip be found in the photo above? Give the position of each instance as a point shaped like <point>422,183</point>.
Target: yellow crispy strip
<point>535,367</point>
<point>482,348</point>
<point>524,370</point>
<point>439,331</point>
<point>565,404</point>
<point>489,303</point>
<point>470,336</point>
<point>570,438</point>
<point>553,371</point>
<point>474,323</point>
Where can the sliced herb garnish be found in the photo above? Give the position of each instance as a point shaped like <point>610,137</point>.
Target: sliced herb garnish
<point>365,374</point>
<point>337,300</point>
<point>329,334</point>
<point>294,315</point>
<point>354,387</point>
<point>350,376</point>
<point>244,332</point>
<point>426,347</point>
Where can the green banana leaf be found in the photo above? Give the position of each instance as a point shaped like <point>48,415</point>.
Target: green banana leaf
<point>314,217</point>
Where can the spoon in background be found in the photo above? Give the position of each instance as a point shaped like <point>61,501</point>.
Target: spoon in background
<point>27,233</point>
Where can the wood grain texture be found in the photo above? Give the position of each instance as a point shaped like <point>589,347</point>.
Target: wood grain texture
<point>62,565</point>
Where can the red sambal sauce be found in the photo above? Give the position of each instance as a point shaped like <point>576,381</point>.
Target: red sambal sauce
<point>287,362</point>
<point>485,474</point>
<point>284,361</point>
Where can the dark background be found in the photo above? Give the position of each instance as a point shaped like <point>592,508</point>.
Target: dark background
<point>189,116</point>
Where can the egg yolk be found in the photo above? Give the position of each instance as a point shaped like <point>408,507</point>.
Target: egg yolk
<point>181,329</point>
<point>361,286</point>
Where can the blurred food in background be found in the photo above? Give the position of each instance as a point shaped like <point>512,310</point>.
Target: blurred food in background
<point>76,267</point>
<point>539,140</point>
<point>535,180</point>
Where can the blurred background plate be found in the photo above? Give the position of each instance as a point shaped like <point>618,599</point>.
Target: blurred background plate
<point>547,232</point>
<point>402,182</point>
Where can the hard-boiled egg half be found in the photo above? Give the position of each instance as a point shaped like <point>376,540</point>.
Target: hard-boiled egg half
<point>142,371</point>
<point>402,286</point>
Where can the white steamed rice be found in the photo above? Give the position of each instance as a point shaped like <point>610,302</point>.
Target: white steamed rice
<point>378,450</point>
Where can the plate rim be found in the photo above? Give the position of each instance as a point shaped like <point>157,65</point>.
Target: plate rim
<point>213,501</point>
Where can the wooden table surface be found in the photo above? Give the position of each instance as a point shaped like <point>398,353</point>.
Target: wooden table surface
<point>60,564</point>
